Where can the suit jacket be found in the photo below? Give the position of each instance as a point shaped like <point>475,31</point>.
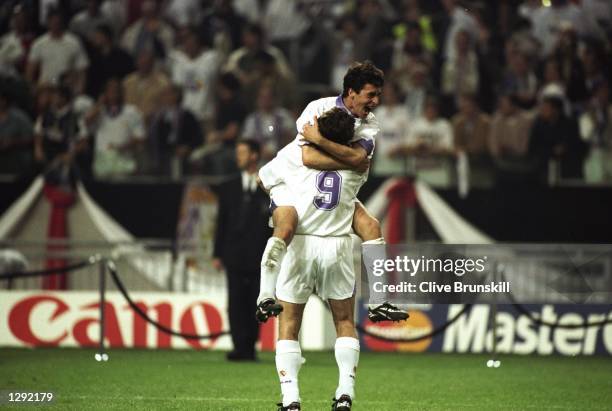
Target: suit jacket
<point>242,226</point>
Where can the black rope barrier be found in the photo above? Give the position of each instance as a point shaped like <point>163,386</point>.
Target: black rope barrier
<point>121,287</point>
<point>50,271</point>
<point>520,308</point>
<point>431,334</point>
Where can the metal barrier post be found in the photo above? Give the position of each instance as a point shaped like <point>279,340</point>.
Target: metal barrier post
<point>493,362</point>
<point>101,354</point>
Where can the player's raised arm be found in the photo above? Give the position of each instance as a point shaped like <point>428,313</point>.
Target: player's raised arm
<point>312,157</point>
<point>353,157</point>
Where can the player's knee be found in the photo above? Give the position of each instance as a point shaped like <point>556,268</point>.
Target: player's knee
<point>345,327</point>
<point>343,318</point>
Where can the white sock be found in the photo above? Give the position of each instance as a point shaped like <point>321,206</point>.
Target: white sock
<point>270,267</point>
<point>288,363</point>
<point>374,250</point>
<point>347,357</point>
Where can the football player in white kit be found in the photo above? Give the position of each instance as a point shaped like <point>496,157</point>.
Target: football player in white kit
<point>320,260</point>
<point>362,88</point>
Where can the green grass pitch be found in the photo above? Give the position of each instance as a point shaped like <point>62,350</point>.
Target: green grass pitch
<point>191,380</point>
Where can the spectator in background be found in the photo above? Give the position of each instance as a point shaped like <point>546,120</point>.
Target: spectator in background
<point>570,66</point>
<point>509,139</point>
<point>119,133</point>
<point>59,135</point>
<point>242,62</point>
<point>554,143</point>
<point>107,61</point>
<point>471,133</point>
<point>460,70</point>
<point>596,130</point>
<point>412,14</point>
<point>15,45</point>
<point>16,136</point>
<point>150,31</point>
<point>520,80</point>
<point>144,87</point>
<point>266,72</point>
<point>11,52</point>
<point>175,132</point>
<point>592,59</point>
<point>346,44</point>
<point>430,144</point>
<point>195,67</point>
<point>553,84</point>
<point>547,21</point>
<point>283,20</point>
<point>57,53</point>
<point>230,113</point>
<point>240,238</point>
<point>416,90</point>
<point>183,13</point>
<point>85,23</point>
<point>272,126</point>
<point>407,52</point>
<point>458,20</point>
<point>116,11</point>
<point>394,128</point>
<point>222,26</point>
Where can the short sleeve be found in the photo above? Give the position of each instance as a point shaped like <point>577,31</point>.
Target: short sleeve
<point>306,117</point>
<point>135,123</point>
<point>35,52</point>
<point>368,145</point>
<point>81,61</point>
<point>446,135</point>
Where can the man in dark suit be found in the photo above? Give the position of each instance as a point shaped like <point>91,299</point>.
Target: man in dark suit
<point>240,238</point>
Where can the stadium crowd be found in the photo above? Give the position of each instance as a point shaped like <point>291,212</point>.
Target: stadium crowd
<point>491,92</point>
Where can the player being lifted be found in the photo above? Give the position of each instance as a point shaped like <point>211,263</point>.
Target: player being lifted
<point>322,262</point>
<point>361,95</point>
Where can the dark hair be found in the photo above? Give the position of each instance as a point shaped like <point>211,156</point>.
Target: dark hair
<point>255,29</point>
<point>56,12</point>
<point>64,91</point>
<point>337,125</point>
<point>360,74</point>
<point>106,30</point>
<point>264,58</point>
<point>253,145</point>
<point>555,101</point>
<point>230,82</point>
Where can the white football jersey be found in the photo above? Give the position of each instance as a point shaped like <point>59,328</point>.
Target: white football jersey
<point>325,200</point>
<point>289,159</point>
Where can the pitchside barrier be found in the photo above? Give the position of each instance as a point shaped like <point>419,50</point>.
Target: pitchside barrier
<point>198,320</point>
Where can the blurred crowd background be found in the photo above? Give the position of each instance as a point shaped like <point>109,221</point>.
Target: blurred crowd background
<point>478,92</point>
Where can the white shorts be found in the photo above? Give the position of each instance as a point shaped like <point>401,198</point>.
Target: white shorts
<point>321,265</point>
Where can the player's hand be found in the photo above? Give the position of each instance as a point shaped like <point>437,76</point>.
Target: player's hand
<point>310,132</point>
<point>363,166</point>
<point>217,264</point>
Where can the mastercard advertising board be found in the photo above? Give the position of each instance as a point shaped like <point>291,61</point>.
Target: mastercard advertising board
<point>429,329</point>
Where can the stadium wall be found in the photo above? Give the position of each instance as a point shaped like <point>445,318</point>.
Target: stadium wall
<point>556,212</point>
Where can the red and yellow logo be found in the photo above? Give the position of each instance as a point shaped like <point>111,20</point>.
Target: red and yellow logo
<point>418,324</point>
